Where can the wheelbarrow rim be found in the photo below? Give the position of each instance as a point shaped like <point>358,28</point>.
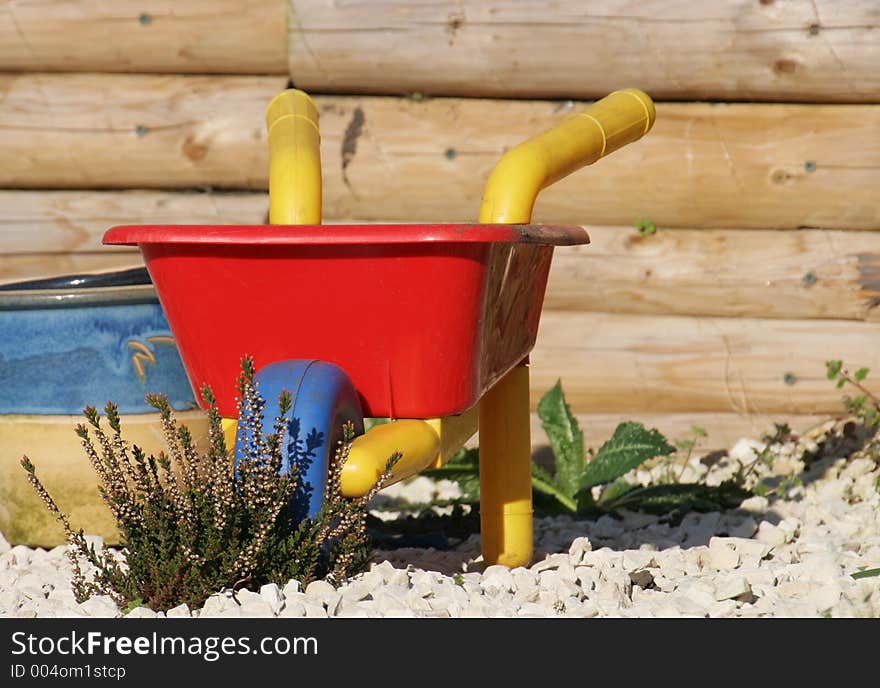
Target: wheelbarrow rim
<point>355,234</point>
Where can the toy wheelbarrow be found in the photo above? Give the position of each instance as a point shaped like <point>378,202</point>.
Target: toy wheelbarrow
<point>429,325</point>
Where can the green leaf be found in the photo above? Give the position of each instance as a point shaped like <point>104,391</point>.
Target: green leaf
<point>680,497</point>
<point>699,430</point>
<point>832,368</point>
<point>543,482</point>
<point>370,423</point>
<point>645,227</point>
<point>566,440</point>
<point>840,383</point>
<point>132,605</point>
<point>630,445</point>
<point>867,573</point>
<point>616,490</point>
<point>861,374</point>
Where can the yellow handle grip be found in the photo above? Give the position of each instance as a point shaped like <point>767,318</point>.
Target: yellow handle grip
<point>294,159</point>
<point>618,119</point>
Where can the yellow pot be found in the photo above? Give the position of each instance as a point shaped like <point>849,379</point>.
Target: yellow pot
<point>62,466</point>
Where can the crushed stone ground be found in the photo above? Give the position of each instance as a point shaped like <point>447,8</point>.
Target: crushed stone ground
<point>791,555</point>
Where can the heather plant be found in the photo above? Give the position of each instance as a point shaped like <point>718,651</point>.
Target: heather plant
<point>191,524</point>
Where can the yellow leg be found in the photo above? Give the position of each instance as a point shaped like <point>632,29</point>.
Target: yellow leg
<point>229,425</point>
<point>505,471</point>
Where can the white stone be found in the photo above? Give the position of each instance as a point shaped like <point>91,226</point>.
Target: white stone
<point>291,587</point>
<point>744,546</point>
<point>498,577</point>
<point>552,561</point>
<point>356,591</point>
<point>62,594</point>
<point>320,590</point>
<point>257,608</point>
<point>293,609</point>
<point>353,613</point>
<point>588,577</point>
<point>730,587</point>
<point>100,606</point>
<point>536,610</point>
<point>216,604</point>
<point>770,534</point>
<point>755,505</point>
<point>391,575</point>
<point>524,578</point>
<point>578,548</point>
<point>745,451</point>
<point>141,613</point>
<point>825,597</point>
<point>272,596</point>
<point>722,558</point>
<point>4,545</point>
<point>636,560</point>
<point>20,555</point>
<point>722,609</point>
<point>315,610</point>
<point>181,611</point>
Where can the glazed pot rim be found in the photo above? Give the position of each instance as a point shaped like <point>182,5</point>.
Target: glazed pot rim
<point>25,299</point>
<point>105,288</point>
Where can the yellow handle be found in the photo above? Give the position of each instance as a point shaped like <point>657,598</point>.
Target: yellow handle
<point>294,160</point>
<point>618,119</point>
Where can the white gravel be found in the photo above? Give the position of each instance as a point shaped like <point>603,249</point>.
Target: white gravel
<point>781,557</point>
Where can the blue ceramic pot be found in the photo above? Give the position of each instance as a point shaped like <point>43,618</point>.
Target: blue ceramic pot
<point>83,340</point>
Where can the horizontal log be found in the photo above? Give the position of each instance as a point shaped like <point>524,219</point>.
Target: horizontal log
<point>633,364</point>
<point>723,430</point>
<point>130,131</point>
<point>749,166</point>
<point>729,273</point>
<point>797,50</point>
<point>221,36</point>
<point>75,221</point>
<point>28,266</point>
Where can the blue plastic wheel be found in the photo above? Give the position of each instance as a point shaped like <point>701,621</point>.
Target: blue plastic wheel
<point>323,400</point>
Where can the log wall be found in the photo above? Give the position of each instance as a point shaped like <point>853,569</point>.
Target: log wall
<point>766,259</point>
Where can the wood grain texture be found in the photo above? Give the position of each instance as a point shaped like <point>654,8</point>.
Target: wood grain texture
<point>778,50</point>
<point>744,166</point>
<point>75,221</point>
<point>723,430</point>
<point>129,131</point>
<point>177,36</point>
<point>812,274</point>
<point>613,363</point>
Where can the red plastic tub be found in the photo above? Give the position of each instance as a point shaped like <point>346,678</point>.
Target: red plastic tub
<point>423,318</point>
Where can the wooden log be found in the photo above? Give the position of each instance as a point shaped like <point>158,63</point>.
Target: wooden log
<point>75,221</point>
<point>729,273</point>
<point>744,166</point>
<point>723,430</point>
<point>633,364</point>
<point>749,166</point>
<point>129,131</point>
<point>798,50</point>
<point>225,36</point>
<point>27,266</point>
